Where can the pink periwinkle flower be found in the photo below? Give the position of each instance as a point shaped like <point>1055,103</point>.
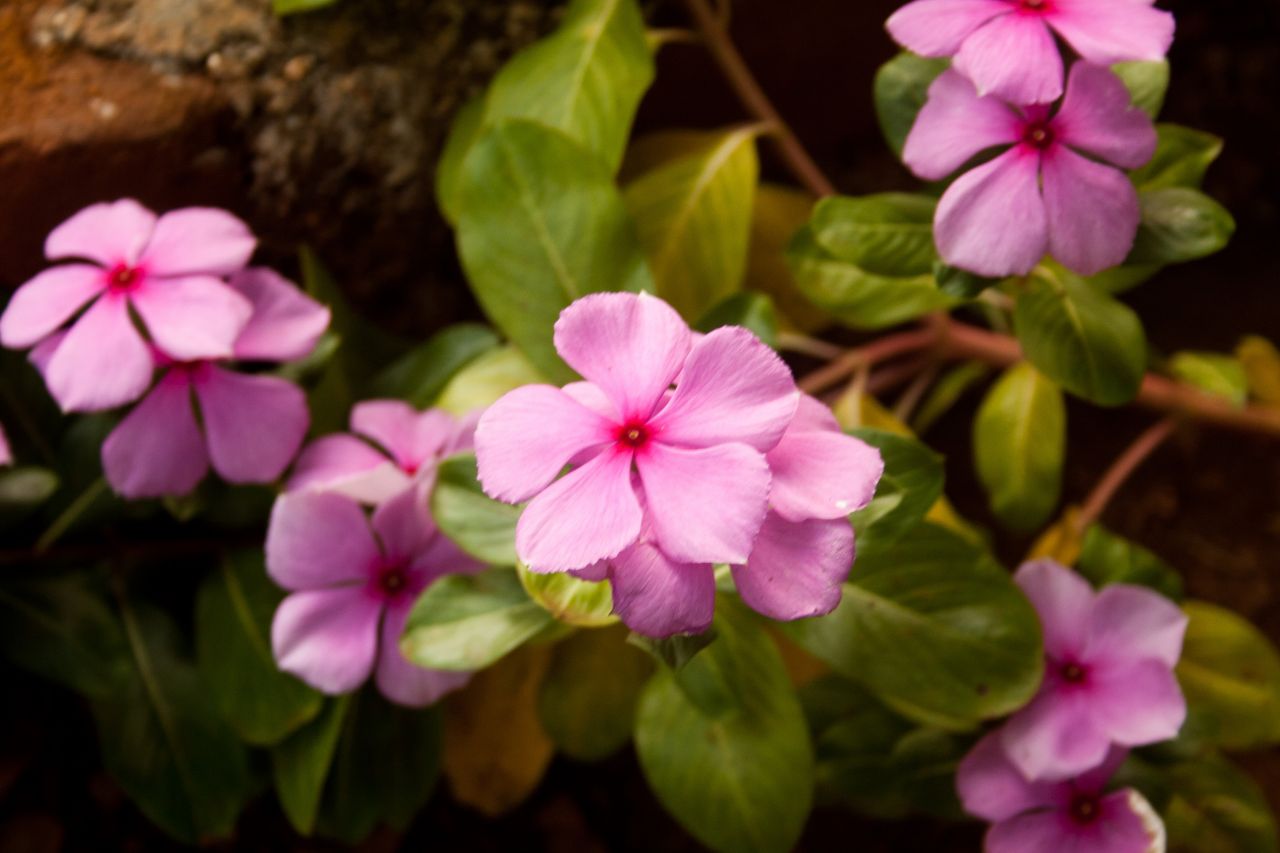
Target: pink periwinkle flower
<point>352,584</point>
<point>1108,677</point>
<point>391,445</point>
<point>1076,815</point>
<point>1007,47</point>
<point>169,269</point>
<point>1058,187</point>
<point>250,426</point>
<point>6,454</point>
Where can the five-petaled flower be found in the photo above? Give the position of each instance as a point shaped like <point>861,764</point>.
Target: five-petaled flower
<point>352,585</point>
<point>168,269</point>
<point>1108,673</point>
<point>1076,814</point>
<point>1042,194</point>
<point>1007,47</point>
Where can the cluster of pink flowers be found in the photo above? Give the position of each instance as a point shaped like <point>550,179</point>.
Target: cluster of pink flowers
<point>1058,185</point>
<point>685,452</point>
<point>1108,686</point>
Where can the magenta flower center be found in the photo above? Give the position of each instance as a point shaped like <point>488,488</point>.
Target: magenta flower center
<point>1084,809</point>
<point>393,579</point>
<point>1072,673</point>
<point>1038,134</point>
<point>123,278</point>
<point>633,435</point>
<point>1033,5</point>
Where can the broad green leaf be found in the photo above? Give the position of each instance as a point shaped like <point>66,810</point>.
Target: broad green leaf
<point>961,284</point>
<point>1180,224</point>
<point>466,622</point>
<point>23,490</point>
<point>743,781</point>
<point>1182,157</point>
<point>300,764</point>
<point>1216,807</point>
<point>946,392</point>
<point>676,651</point>
<point>901,88</point>
<point>1147,82</point>
<point>481,526</point>
<point>1230,674</point>
<point>421,375</point>
<point>588,699</point>
<point>1087,342</point>
<point>934,628</point>
<point>910,485</point>
<point>163,741</point>
<point>294,7</point>
<point>693,216</point>
<point>1261,362</point>
<point>1106,558</point>
<point>854,296</point>
<point>482,382</point>
<point>1121,278</point>
<point>778,213</point>
<point>541,225</point>
<point>468,122</point>
<point>889,234</point>
<point>1019,445</point>
<point>585,79</point>
<point>1220,375</point>
<point>752,311</point>
<point>570,600</point>
<point>233,652</point>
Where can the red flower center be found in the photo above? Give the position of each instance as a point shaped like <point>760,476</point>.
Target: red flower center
<point>1084,809</point>
<point>634,435</point>
<point>393,580</point>
<point>123,277</point>
<point>1038,134</point>
<point>1033,5</point>
<point>1072,673</point>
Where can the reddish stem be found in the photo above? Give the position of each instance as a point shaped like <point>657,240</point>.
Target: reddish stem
<point>1121,470</point>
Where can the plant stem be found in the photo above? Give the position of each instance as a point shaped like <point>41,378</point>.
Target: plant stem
<point>1121,470</point>
<point>69,515</point>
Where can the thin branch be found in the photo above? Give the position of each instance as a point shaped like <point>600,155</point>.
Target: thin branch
<point>1121,470</point>
<point>867,356</point>
<point>915,392</point>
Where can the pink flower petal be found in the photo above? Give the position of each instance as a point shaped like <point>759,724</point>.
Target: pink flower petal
<point>992,220</point>
<point>1106,32</point>
<point>656,596</point>
<point>631,346</point>
<point>955,125</point>
<point>1015,58</point>
<point>316,540</point>
<point>526,438</point>
<point>198,241</point>
<point>6,454</point>
<point>1056,736</point>
<point>443,557</point>
<point>411,437</point>
<point>254,424</point>
<point>594,399</point>
<point>1093,212</point>
<point>1130,623</point>
<point>102,362</point>
<point>157,449</point>
<point>44,303</point>
<point>192,318</point>
<point>812,415</point>
<point>733,389</point>
<point>706,505</point>
<point>991,788</point>
<point>110,233</point>
<point>401,681</point>
<point>42,353</point>
<point>590,514</point>
<point>1097,116</point>
<point>348,466</point>
<point>939,27</point>
<point>1063,600</point>
<point>404,526</point>
<point>1095,780</point>
<point>796,568</point>
<point>1137,704</point>
<point>1034,832</point>
<point>327,637</point>
<point>822,475</point>
<point>285,324</point>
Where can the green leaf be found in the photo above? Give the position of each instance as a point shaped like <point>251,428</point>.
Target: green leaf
<point>854,296</point>
<point>901,88</point>
<point>23,490</point>
<point>1261,362</point>
<point>1147,82</point>
<point>587,702</point>
<point>585,79</point>
<point>889,234</point>
<point>1180,224</point>
<point>946,392</point>
<point>934,628</point>
<point>911,484</point>
<point>1087,342</point>
<point>481,526</point>
<point>568,599</point>
<point>1216,807</point>
<point>1019,445</point>
<point>1106,558</point>
<point>675,651</point>
<point>1230,674</point>
<point>233,652</point>
<point>420,376</point>
<point>541,225</point>
<point>693,215</point>
<point>487,378</point>
<point>752,311</point>
<point>466,622</point>
<point>468,122</point>
<point>164,743</point>
<point>961,284</point>
<point>293,7</point>
<point>1182,157</point>
<point>1220,375</point>
<point>739,782</point>
<point>300,764</point>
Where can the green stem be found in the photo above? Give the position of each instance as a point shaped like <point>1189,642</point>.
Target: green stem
<point>69,515</point>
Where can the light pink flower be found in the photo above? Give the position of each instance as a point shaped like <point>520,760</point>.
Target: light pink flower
<point>1072,816</point>
<point>1007,47</point>
<point>252,424</point>
<point>393,445</point>
<point>686,465</point>
<point>351,587</point>
<point>1042,194</point>
<point>167,269</point>
<point>6,454</point>
<point>1108,673</point>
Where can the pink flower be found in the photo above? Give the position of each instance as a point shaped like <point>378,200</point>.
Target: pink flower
<point>1108,673</point>
<point>351,587</point>
<point>252,424</point>
<point>393,445</point>
<point>167,269</point>
<point>6,455</point>
<point>687,466</point>
<point>1073,816</point>
<point>1041,194</point>
<point>1007,47</point>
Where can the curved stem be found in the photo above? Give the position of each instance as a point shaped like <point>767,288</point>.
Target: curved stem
<point>1121,470</point>
<point>74,510</point>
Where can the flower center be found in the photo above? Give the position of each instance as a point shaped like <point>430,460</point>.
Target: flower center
<point>1084,809</point>
<point>633,435</point>
<point>123,277</point>
<point>1072,673</point>
<point>1038,134</point>
<point>1033,5</point>
<point>393,579</point>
